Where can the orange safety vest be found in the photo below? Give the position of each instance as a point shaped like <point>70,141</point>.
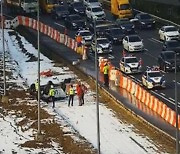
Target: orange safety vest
<point>79,39</point>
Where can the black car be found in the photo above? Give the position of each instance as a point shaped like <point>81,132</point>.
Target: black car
<point>59,12</point>
<point>166,60</point>
<point>115,35</point>
<point>126,25</point>
<point>75,21</point>
<point>173,45</point>
<point>77,7</point>
<point>101,26</point>
<point>143,21</point>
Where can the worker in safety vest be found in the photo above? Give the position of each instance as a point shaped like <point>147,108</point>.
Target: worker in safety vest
<point>71,95</point>
<point>106,74</point>
<point>52,95</point>
<point>79,40</point>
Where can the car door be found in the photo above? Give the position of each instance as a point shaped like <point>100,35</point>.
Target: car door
<point>125,43</point>
<point>88,12</point>
<point>144,79</point>
<point>162,33</point>
<point>93,45</point>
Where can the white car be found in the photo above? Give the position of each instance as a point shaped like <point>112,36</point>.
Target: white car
<point>153,78</point>
<point>133,43</point>
<point>94,12</point>
<point>86,36</point>
<point>167,33</point>
<point>91,2</point>
<point>103,46</point>
<point>130,65</point>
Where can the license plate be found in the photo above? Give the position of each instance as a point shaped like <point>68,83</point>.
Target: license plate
<point>149,25</point>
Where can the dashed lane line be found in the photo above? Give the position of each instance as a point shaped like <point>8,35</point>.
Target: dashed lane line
<point>59,24</point>
<point>155,40</point>
<point>163,94</point>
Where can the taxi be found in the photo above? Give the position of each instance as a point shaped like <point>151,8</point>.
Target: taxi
<point>153,78</point>
<point>130,64</point>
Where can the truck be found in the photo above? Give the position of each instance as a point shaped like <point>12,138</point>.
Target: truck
<point>46,6</point>
<point>121,8</point>
<point>22,6</point>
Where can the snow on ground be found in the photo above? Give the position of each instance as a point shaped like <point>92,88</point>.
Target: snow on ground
<point>116,136</point>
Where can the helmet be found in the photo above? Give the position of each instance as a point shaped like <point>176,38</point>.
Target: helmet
<point>52,86</point>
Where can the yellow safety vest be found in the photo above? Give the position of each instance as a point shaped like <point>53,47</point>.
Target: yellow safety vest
<point>71,91</point>
<point>106,69</point>
<point>51,92</point>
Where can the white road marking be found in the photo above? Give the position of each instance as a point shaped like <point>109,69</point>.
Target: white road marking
<point>155,40</point>
<point>110,56</point>
<point>163,94</point>
<point>59,24</point>
<point>171,99</point>
<point>177,82</point>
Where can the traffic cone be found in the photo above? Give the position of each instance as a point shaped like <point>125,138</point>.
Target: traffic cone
<point>84,56</point>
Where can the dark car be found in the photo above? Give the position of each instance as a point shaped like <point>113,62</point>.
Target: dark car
<point>115,35</point>
<point>126,25</point>
<point>59,12</point>
<point>75,21</point>
<point>101,26</point>
<point>173,45</point>
<point>143,21</point>
<point>77,7</point>
<point>166,60</point>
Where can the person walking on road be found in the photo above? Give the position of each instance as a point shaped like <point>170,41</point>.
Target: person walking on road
<point>71,95</point>
<point>106,74</point>
<point>52,95</point>
<point>79,93</point>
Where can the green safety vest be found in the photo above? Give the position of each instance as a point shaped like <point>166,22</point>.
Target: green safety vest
<point>36,86</point>
<point>71,91</point>
<point>51,92</point>
<point>106,69</point>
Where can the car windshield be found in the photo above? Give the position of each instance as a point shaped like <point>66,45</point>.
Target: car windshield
<point>52,2</point>
<point>97,9</point>
<point>92,1</point>
<point>154,74</point>
<point>116,31</point>
<point>134,39</point>
<point>102,41</point>
<point>145,16</point>
<point>170,29</point>
<point>78,5</point>
<point>75,17</point>
<point>131,60</point>
<point>60,8</point>
<point>124,7</point>
<point>173,44</point>
<point>169,55</point>
<point>86,33</point>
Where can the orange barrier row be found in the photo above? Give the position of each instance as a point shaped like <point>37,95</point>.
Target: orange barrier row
<point>47,30</point>
<point>142,95</point>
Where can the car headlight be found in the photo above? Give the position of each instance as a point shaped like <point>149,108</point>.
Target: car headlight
<point>123,27</point>
<point>74,24</point>
<point>154,22</point>
<point>143,23</point>
<point>114,38</point>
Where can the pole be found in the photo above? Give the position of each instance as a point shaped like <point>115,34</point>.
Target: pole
<point>97,94</point>
<point>3,46</point>
<point>39,118</point>
<point>176,106</point>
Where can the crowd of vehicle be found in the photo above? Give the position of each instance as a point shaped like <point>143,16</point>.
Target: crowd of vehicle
<point>88,19</point>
